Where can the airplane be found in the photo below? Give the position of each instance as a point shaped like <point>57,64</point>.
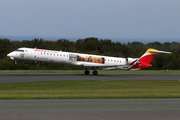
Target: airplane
<point>87,61</point>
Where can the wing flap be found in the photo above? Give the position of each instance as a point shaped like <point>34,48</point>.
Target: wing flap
<point>85,64</point>
<point>98,65</point>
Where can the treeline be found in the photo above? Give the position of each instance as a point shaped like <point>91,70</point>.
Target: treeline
<point>91,46</point>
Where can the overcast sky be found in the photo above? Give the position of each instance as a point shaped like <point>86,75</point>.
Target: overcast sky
<point>131,19</point>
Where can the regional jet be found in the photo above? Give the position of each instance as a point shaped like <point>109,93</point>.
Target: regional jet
<point>87,61</point>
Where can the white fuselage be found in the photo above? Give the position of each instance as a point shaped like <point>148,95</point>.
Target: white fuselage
<point>88,61</point>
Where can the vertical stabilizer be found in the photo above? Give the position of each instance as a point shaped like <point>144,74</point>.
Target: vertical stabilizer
<point>147,56</point>
<point>145,59</point>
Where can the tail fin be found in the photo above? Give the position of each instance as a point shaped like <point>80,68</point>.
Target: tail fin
<point>149,55</point>
<point>145,59</point>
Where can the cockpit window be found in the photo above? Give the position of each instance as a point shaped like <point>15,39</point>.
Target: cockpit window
<point>19,50</point>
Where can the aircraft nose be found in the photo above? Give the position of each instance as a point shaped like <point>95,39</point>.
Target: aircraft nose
<point>10,54</point>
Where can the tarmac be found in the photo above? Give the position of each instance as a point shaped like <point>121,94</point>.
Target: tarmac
<point>8,78</point>
<point>88,109</point>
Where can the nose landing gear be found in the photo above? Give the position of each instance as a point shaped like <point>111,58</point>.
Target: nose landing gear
<point>15,61</point>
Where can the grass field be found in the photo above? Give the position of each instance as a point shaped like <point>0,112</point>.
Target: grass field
<point>82,71</point>
<point>91,89</point>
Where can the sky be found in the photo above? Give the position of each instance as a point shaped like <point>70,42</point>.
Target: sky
<point>129,19</point>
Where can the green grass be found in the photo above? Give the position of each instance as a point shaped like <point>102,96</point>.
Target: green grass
<point>82,71</point>
<point>91,89</point>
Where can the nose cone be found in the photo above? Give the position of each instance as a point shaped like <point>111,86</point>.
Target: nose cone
<point>10,54</point>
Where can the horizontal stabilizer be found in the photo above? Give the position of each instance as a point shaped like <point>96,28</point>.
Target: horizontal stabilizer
<point>152,51</point>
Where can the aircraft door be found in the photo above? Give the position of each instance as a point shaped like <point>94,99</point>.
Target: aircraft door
<point>28,53</point>
<point>17,54</point>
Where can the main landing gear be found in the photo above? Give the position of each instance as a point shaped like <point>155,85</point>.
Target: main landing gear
<point>86,72</point>
<point>95,72</point>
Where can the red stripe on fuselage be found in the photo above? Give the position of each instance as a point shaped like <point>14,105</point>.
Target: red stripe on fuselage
<point>132,62</point>
<point>141,65</point>
<point>144,61</point>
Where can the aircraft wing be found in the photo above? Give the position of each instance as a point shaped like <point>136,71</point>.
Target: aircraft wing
<point>85,64</point>
<point>99,65</point>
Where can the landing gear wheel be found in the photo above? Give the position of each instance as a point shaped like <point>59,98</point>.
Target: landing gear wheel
<point>95,72</point>
<point>86,72</point>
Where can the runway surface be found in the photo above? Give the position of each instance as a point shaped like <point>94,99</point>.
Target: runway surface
<point>90,109</point>
<point>7,78</point>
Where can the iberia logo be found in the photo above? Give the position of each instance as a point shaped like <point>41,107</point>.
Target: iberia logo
<point>36,57</point>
